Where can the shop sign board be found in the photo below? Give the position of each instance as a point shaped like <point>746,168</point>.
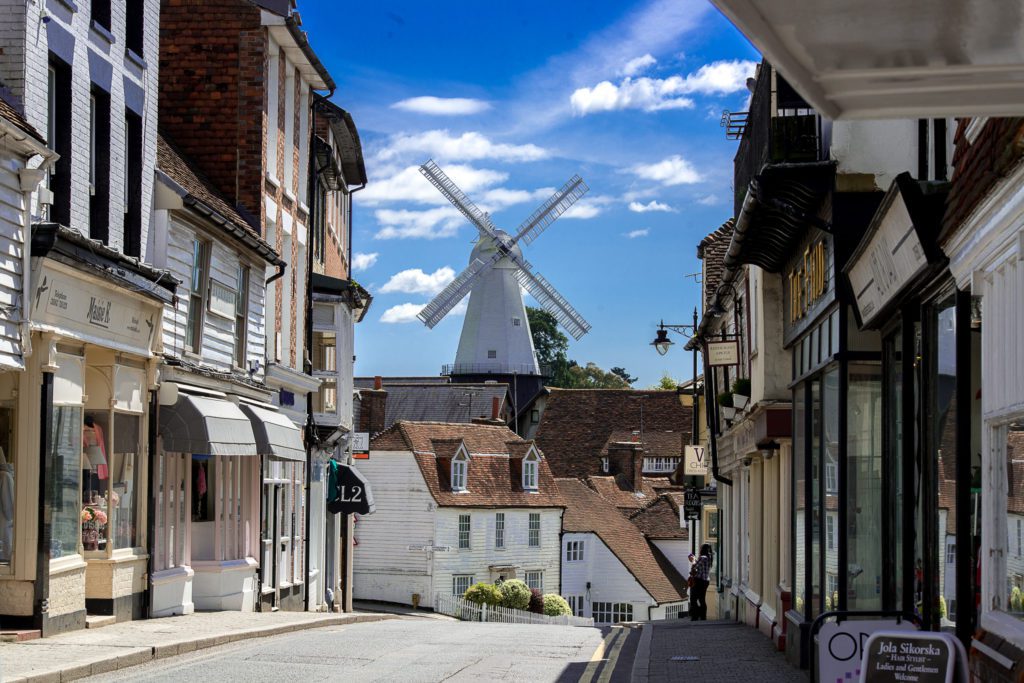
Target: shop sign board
<point>89,310</point>
<point>694,461</point>
<point>351,494</point>
<point>725,352</point>
<point>808,285</point>
<point>691,505</point>
<point>892,257</point>
<point>921,657</point>
<point>842,644</point>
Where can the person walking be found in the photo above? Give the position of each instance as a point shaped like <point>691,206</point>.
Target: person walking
<point>700,574</point>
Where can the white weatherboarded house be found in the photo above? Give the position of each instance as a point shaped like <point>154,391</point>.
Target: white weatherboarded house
<point>610,570</point>
<point>456,504</point>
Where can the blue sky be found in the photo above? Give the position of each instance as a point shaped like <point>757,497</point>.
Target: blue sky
<point>512,99</point>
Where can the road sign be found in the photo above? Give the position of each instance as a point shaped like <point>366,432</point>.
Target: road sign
<point>694,462</point>
<point>691,505</point>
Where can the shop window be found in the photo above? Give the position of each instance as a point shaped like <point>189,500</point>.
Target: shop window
<point>197,296</point>
<point>65,473</point>
<point>126,481</point>
<point>7,481</point>
<point>202,497</point>
<point>170,482</point>
<point>241,315</point>
<point>1013,439</point>
<point>534,530</point>
<point>799,531</point>
<point>535,580</point>
<point>499,530</point>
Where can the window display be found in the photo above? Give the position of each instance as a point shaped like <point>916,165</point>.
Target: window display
<point>7,509</point>
<point>64,462</point>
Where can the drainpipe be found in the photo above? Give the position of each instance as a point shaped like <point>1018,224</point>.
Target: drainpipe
<point>281,267</point>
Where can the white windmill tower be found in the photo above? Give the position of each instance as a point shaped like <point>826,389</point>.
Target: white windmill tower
<point>496,334</point>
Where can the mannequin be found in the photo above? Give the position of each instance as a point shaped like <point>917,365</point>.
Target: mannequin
<point>6,507</point>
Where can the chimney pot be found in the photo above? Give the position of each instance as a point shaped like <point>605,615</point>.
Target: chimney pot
<point>378,382</point>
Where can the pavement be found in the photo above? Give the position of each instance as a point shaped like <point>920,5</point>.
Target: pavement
<point>709,651</point>
<point>92,652</point>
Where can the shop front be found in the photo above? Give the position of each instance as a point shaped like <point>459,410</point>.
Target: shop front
<point>83,404</point>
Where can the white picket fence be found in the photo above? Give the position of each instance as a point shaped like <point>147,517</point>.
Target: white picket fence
<point>463,609</point>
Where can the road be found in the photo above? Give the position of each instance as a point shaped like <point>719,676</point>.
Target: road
<point>409,650</point>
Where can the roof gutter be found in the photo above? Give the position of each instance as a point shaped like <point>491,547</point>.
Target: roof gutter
<point>300,38</point>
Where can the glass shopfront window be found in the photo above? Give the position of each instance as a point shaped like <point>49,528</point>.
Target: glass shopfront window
<point>817,525</point>
<point>864,488</point>
<point>7,479</point>
<point>125,474</point>
<point>830,469</point>
<point>1014,441</point>
<point>895,503</point>
<point>799,502</point>
<point>64,464</point>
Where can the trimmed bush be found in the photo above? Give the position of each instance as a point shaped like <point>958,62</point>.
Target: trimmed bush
<point>515,594</point>
<point>556,606</point>
<point>536,601</point>
<point>483,594</point>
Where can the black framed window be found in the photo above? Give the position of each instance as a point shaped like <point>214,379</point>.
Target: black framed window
<point>133,184</point>
<point>59,138</point>
<point>99,164</point>
<point>134,26</point>
<point>100,12</point>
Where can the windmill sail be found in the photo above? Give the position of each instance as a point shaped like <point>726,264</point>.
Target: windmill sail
<point>458,288</point>
<point>550,300</point>
<point>549,211</point>
<point>459,200</point>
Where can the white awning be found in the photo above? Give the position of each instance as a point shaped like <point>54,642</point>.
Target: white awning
<point>206,425</point>
<point>276,435</point>
<point>885,59</point>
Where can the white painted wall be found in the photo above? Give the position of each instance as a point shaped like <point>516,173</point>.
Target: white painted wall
<point>384,567</point>
<point>609,579</point>
<point>881,148</point>
<point>677,551</point>
<point>13,202</point>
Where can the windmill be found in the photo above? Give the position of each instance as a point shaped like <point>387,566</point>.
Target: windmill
<point>496,334</point>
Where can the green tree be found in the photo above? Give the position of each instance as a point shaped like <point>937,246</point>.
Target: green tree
<point>626,377</point>
<point>666,383</point>
<point>591,376</point>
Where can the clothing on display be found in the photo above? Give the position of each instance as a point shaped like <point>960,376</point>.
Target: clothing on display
<point>94,447</point>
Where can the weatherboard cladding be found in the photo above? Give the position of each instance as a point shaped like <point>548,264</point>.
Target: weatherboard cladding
<point>494,471</point>
<point>588,512</point>
<point>577,423</point>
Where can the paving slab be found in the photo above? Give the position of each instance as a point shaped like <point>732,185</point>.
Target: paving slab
<point>92,652</point>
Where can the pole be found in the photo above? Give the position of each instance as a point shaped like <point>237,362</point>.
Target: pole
<point>693,388</point>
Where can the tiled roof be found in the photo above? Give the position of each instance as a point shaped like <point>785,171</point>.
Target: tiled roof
<point>418,402</point>
<point>171,162</point>
<point>978,165</point>
<point>587,512</point>
<point>660,519</point>
<point>494,472</point>
<point>667,444</point>
<point>619,492</point>
<point>11,113</point>
<point>711,251</point>
<point>577,423</point>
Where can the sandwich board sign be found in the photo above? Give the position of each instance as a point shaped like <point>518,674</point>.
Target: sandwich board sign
<point>695,461</point>
<point>843,644</point>
<point>917,657</point>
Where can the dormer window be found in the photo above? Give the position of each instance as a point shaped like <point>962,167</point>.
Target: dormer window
<point>530,471</point>
<point>459,464</point>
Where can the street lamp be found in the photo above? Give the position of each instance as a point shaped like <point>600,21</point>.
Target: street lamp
<point>661,343</point>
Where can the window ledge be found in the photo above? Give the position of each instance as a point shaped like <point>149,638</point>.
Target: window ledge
<point>135,58</point>
<point>273,181</point>
<point>288,194</point>
<point>103,32</point>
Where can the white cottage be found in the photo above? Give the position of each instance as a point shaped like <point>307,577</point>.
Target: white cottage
<point>610,571</point>
<point>456,504</point>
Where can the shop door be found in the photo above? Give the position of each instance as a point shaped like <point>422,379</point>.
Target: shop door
<point>270,538</point>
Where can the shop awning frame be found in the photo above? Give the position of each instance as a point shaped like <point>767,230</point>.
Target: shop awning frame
<point>276,435</point>
<point>205,425</point>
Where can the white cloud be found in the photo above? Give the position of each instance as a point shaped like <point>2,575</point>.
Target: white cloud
<point>633,234</point>
<point>653,205</point>
<point>708,200</point>
<point>470,146</point>
<point>406,313</point>
<point>588,207</point>
<point>402,313</point>
<point>500,197</point>
<point>415,281</point>
<point>442,106</point>
<point>635,66</point>
<point>362,262</point>
<point>430,224</point>
<point>409,185</point>
<point>657,94</point>
<point>674,170</point>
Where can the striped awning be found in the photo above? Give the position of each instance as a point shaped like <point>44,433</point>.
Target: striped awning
<point>206,425</point>
<point>276,435</point>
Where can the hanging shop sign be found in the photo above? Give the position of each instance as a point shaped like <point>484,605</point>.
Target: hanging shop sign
<point>361,443</point>
<point>694,461</point>
<point>726,352</point>
<point>691,505</point>
<point>89,310</point>
<point>842,644</point>
<point>348,491</point>
<point>922,657</point>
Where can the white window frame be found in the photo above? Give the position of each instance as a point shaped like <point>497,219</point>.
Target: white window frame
<point>273,81</point>
<point>831,477</point>
<point>531,467</point>
<point>202,250</point>
<point>534,579</point>
<point>288,172</point>
<point>604,465</point>
<point>574,551</point>
<point>465,532</point>
<point>460,472</point>
<point>611,612</point>
<point>458,580</point>
<point>830,532</point>
<point>951,553</point>
<point>576,604</point>
<point>533,530</point>
<point>499,530</point>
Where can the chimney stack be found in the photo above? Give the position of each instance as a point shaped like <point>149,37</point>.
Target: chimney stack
<point>378,382</point>
<point>495,407</point>
<point>627,458</point>
<point>372,404</point>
